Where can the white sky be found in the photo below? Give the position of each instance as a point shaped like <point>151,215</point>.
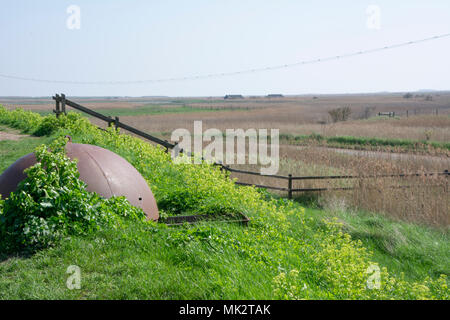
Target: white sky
<point>135,40</point>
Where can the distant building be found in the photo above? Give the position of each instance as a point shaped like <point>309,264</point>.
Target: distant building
<point>234,96</point>
<point>275,95</point>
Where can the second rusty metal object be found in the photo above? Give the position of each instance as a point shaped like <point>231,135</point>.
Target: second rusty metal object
<point>104,172</point>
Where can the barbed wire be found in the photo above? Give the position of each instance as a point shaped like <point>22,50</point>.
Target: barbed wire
<point>232,73</point>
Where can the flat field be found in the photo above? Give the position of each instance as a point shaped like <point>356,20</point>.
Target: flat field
<point>296,115</point>
<point>416,139</point>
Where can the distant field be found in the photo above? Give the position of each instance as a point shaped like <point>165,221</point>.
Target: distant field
<point>148,110</point>
<point>292,115</point>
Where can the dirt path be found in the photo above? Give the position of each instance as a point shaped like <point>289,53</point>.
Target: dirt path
<point>10,134</point>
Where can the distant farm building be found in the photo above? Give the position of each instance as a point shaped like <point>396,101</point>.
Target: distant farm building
<point>234,96</point>
<point>386,114</point>
<point>275,95</point>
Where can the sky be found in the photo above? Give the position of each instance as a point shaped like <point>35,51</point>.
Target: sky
<point>133,40</point>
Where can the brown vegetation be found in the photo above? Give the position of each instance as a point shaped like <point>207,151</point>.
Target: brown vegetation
<point>422,199</point>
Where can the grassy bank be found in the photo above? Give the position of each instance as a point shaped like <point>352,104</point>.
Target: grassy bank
<point>284,253</point>
<point>11,150</point>
<point>415,250</point>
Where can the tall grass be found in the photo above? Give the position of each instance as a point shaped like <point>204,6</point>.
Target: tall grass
<point>421,199</point>
<point>349,141</point>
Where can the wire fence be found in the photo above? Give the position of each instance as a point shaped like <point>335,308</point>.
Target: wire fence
<point>60,108</point>
<point>234,73</point>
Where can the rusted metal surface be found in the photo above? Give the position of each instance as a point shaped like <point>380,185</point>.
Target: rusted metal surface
<point>104,172</point>
<point>11,177</point>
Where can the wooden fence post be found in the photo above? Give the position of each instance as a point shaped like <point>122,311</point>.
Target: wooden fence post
<point>290,186</point>
<point>116,122</point>
<point>447,173</point>
<point>167,149</point>
<point>63,103</point>
<point>407,111</point>
<point>57,105</point>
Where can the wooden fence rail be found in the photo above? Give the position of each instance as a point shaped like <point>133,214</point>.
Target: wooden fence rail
<point>60,108</point>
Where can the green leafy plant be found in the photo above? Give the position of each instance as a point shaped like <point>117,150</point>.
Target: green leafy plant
<point>52,202</point>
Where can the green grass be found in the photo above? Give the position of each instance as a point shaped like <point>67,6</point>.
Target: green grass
<point>136,263</point>
<point>150,109</point>
<point>284,252</point>
<point>204,101</point>
<point>350,141</point>
<point>418,251</point>
<point>11,150</point>
<point>415,250</point>
<point>153,109</point>
<point>132,263</point>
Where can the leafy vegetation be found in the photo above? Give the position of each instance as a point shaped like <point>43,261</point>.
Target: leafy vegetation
<point>282,254</point>
<point>52,202</point>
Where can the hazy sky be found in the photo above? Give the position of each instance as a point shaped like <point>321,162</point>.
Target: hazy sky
<point>135,40</point>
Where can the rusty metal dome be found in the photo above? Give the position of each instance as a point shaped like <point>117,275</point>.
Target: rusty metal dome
<point>104,172</point>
